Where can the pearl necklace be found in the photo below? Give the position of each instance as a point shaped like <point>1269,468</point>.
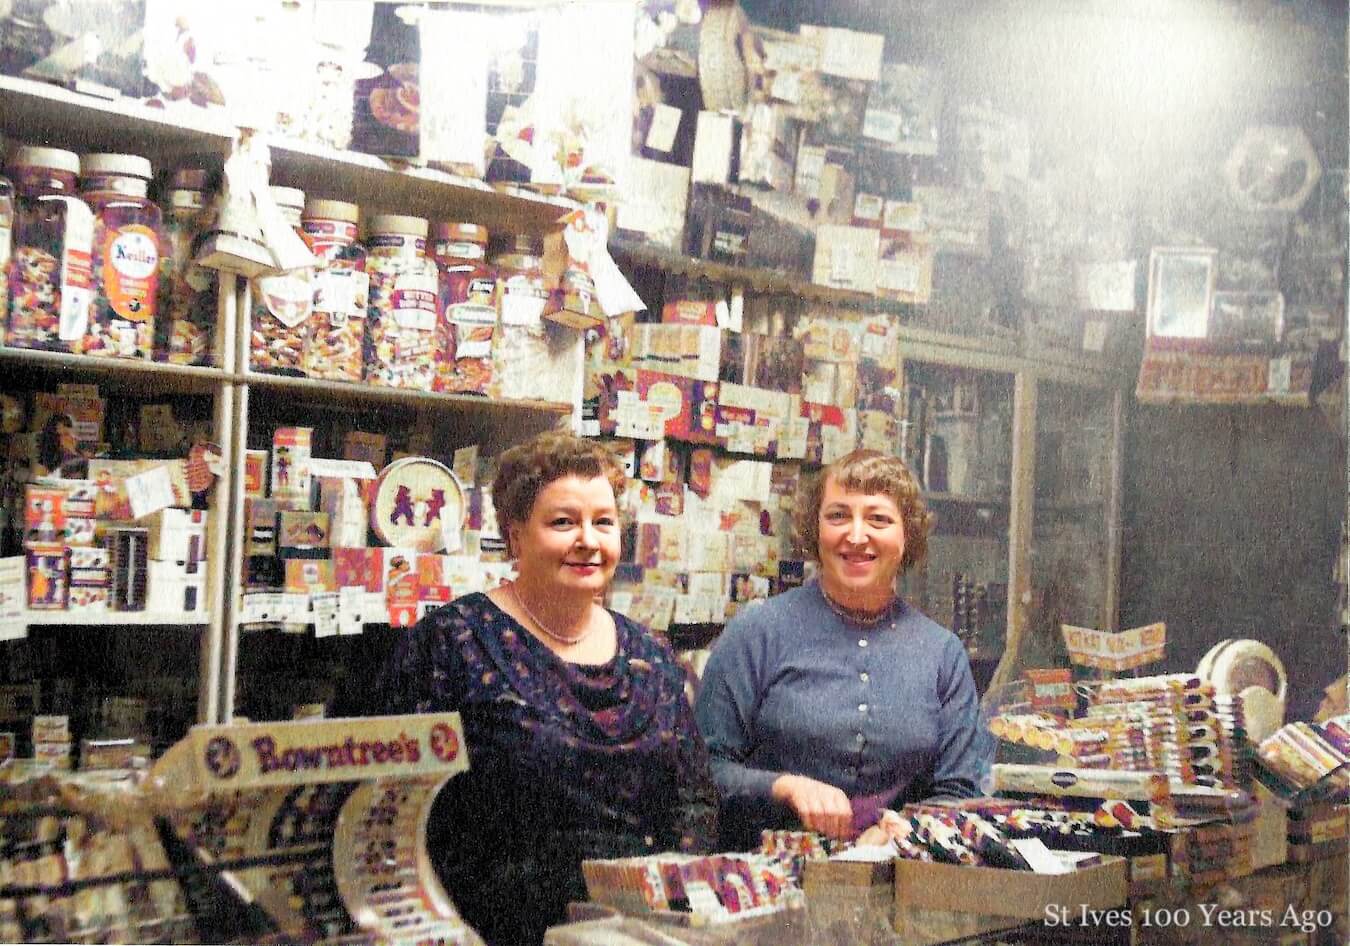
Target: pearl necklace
<point>560,638</point>
<point>848,614</point>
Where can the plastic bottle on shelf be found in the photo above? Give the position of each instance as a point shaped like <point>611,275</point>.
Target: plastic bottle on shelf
<point>50,276</point>
<point>187,292</point>
<point>337,339</point>
<point>468,322</point>
<point>283,306</point>
<point>404,304</point>
<point>127,233</point>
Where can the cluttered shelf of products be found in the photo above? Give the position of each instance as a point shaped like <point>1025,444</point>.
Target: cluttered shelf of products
<point>979,352</point>
<point>280,357</point>
<point>1115,829</point>
<point>54,116</point>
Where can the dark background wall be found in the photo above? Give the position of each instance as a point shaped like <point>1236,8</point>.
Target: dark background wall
<point>1232,518</point>
<point>1231,515</point>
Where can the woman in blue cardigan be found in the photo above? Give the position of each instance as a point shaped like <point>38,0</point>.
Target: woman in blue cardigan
<point>834,700</point>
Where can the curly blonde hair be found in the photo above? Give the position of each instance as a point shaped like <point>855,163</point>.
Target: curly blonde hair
<point>524,470</point>
<point>869,471</point>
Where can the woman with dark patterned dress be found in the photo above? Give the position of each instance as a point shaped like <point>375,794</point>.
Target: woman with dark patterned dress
<point>580,740</point>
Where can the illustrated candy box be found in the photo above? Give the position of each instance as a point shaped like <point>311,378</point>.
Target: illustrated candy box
<point>387,107</point>
<point>291,448</point>
<point>91,46</point>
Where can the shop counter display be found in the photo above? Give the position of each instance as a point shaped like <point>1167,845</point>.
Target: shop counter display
<point>270,832</point>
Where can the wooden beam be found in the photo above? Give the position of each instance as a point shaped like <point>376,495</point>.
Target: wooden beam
<point>1020,523</point>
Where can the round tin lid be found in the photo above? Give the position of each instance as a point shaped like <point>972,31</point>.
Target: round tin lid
<point>33,156</point>
<point>130,165</point>
<point>320,208</point>
<point>396,223</point>
<point>419,504</point>
<point>461,232</point>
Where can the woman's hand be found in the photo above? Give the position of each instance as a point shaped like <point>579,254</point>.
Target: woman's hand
<point>821,807</point>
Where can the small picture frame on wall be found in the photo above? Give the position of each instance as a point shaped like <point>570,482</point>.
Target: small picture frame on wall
<point>1180,292</point>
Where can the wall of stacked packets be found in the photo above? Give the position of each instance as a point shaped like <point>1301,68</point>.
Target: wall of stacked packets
<point>104,248</point>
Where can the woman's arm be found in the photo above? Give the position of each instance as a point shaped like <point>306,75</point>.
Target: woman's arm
<point>728,701</point>
<point>695,824</point>
<point>963,743</point>
<point>728,705</point>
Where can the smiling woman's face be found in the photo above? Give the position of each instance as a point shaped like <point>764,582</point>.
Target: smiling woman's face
<point>571,540</point>
<point>862,543</point>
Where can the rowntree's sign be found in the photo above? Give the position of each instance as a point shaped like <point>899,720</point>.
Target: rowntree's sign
<point>335,750</point>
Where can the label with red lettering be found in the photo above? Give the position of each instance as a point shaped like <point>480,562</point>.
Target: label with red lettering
<point>131,271</point>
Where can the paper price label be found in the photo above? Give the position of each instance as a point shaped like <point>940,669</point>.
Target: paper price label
<point>326,606</point>
<point>881,126</point>
<point>665,126</point>
<point>149,492</point>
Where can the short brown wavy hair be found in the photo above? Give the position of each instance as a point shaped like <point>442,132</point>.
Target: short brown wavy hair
<point>869,471</point>
<point>527,468</point>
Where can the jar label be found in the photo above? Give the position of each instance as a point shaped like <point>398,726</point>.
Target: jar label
<point>341,294</point>
<point>77,269</point>
<point>413,301</point>
<point>449,250</point>
<point>522,301</point>
<point>289,299</point>
<point>327,238</point>
<point>130,271</point>
<point>115,184</point>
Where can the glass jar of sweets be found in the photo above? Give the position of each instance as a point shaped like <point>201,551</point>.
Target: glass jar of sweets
<point>282,305</point>
<point>126,254</point>
<point>187,292</point>
<point>50,275</point>
<point>337,340</point>
<point>404,304</point>
<point>468,290</point>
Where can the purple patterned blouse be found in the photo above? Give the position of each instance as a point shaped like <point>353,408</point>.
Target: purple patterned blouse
<point>566,761</point>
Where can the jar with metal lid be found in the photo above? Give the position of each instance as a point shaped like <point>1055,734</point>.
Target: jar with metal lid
<point>468,290</point>
<point>337,338</point>
<point>50,276</point>
<point>126,254</point>
<point>187,292</point>
<point>283,305</point>
<point>404,304</point>
<point>522,288</point>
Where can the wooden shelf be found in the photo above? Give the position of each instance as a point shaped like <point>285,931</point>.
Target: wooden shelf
<point>315,390</point>
<point>148,377</point>
<point>760,280</point>
<point>379,187</point>
<point>42,113</point>
<point>114,619</point>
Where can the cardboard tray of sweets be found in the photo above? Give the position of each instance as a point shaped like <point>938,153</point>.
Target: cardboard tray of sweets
<point>595,924</point>
<point>936,903</point>
<point>1318,830</point>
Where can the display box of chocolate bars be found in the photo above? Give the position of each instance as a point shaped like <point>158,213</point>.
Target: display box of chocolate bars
<point>173,587</point>
<point>177,534</point>
<point>129,549</point>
